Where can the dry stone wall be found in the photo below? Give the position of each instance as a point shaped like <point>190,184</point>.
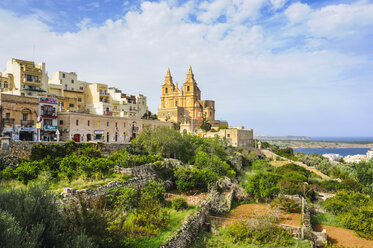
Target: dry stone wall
<point>215,203</point>
<point>23,149</point>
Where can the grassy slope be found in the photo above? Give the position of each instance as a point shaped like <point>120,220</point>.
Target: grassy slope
<point>222,240</point>
<point>326,219</point>
<point>175,222</point>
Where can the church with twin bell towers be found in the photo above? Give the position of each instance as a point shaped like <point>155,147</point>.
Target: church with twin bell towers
<point>184,105</point>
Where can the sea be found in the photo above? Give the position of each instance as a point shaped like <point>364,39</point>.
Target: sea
<point>341,151</point>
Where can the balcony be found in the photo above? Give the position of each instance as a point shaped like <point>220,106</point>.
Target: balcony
<point>48,113</point>
<point>27,123</point>
<point>32,88</point>
<point>108,113</point>
<point>8,121</point>
<point>104,94</point>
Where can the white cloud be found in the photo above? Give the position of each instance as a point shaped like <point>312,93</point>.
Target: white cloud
<point>254,72</point>
<point>278,4</point>
<point>297,12</point>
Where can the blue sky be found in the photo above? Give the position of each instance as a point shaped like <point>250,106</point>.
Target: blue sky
<point>282,67</point>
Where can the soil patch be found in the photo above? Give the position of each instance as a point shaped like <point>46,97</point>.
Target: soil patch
<point>254,210</point>
<point>345,237</point>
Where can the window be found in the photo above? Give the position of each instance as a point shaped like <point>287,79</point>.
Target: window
<point>62,104</point>
<point>79,99</point>
<point>188,88</point>
<point>25,117</point>
<point>5,84</point>
<point>228,135</point>
<point>81,88</point>
<point>63,75</point>
<point>47,122</point>
<point>100,91</point>
<point>176,103</point>
<point>72,88</point>
<point>71,105</point>
<point>72,81</point>
<point>107,124</point>
<point>7,115</point>
<point>61,122</point>
<point>166,90</point>
<point>77,122</point>
<point>89,123</point>
<point>101,99</point>
<point>65,86</point>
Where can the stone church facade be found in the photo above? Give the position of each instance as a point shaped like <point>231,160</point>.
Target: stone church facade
<point>184,104</point>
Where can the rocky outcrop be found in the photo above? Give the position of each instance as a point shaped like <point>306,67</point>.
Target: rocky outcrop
<point>236,162</point>
<point>10,161</point>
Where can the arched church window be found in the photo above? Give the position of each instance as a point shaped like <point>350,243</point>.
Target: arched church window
<point>188,88</point>
<point>166,90</point>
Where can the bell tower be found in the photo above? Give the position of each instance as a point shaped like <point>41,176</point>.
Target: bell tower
<point>168,89</point>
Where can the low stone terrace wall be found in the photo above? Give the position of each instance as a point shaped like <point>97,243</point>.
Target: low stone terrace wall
<point>23,149</point>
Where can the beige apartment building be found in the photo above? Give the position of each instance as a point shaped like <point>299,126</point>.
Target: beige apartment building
<point>236,136</point>
<point>127,105</point>
<point>69,90</point>
<point>98,99</point>
<point>28,79</point>
<point>82,127</point>
<point>6,82</point>
<point>18,116</point>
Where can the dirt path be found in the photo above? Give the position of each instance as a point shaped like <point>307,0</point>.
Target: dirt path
<point>270,154</point>
<point>345,237</point>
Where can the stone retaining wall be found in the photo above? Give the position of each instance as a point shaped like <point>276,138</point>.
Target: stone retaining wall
<point>23,149</point>
<point>215,203</point>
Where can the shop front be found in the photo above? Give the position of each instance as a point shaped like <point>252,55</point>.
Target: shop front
<point>48,133</point>
<point>27,134</point>
<point>99,135</point>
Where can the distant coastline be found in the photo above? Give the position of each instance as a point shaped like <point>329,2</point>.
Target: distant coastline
<point>321,144</point>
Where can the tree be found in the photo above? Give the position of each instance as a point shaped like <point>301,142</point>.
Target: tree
<point>205,125</point>
<point>176,125</point>
<point>161,141</point>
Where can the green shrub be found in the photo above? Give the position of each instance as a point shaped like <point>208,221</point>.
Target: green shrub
<point>259,233</point>
<point>125,159</point>
<point>6,173</point>
<point>188,178</point>
<point>261,165</point>
<point>345,201</point>
<point>293,168</point>
<point>125,197</point>
<point>360,220</point>
<point>213,163</point>
<point>13,235</point>
<point>179,203</point>
<point>27,171</point>
<point>286,203</point>
<point>37,212</point>
<point>154,190</point>
<point>263,185</point>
